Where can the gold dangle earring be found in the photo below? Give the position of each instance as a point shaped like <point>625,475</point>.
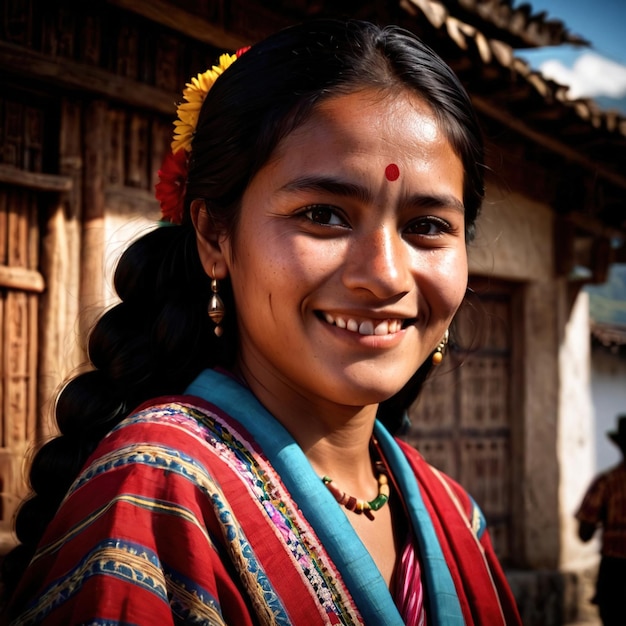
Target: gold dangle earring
<point>216,305</point>
<point>439,350</point>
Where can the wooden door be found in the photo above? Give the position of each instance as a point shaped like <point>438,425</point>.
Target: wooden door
<point>463,421</point>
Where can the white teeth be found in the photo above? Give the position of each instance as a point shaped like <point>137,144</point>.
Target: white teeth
<point>367,327</point>
<point>382,329</point>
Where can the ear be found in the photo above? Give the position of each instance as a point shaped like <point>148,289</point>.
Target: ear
<point>209,241</point>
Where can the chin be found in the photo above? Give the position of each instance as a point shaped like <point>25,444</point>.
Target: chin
<point>380,383</point>
<point>362,394</point>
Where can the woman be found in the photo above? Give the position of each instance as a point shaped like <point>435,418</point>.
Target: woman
<point>334,177</point>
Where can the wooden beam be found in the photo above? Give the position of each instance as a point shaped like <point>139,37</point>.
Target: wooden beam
<point>554,145</point>
<point>34,180</point>
<point>93,234</point>
<point>190,24</point>
<point>27,64</point>
<point>21,278</point>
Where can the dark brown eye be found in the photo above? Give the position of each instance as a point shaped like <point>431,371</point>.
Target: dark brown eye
<point>428,226</point>
<point>325,215</point>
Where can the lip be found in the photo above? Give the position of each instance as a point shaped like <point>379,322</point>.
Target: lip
<point>366,325</point>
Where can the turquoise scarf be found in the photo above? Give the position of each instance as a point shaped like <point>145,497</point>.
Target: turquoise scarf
<point>328,519</point>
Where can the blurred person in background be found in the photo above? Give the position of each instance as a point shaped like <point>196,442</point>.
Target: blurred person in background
<point>604,507</point>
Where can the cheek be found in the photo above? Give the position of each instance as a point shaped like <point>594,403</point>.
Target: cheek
<point>458,282</point>
<point>448,280</point>
<point>270,272</point>
<point>301,260</point>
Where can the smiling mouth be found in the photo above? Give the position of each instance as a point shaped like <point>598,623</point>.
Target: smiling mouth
<point>367,326</point>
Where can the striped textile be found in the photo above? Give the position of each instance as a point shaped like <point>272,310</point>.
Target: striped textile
<point>178,520</point>
<point>410,591</point>
<point>191,512</point>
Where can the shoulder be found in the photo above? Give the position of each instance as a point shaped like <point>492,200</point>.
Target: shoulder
<point>599,483</point>
<point>618,472</point>
<point>164,423</point>
<point>609,482</point>
<point>175,411</point>
<point>170,419</point>
<point>163,457</point>
<point>169,436</point>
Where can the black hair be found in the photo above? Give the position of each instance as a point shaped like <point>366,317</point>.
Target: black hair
<point>274,87</point>
<point>159,337</point>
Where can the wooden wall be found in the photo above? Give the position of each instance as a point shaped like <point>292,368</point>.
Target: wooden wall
<point>87,99</point>
<point>24,193</point>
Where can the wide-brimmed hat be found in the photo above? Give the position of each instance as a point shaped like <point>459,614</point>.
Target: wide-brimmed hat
<point>619,436</point>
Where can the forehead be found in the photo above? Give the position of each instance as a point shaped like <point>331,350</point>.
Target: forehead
<point>362,133</point>
<point>369,120</point>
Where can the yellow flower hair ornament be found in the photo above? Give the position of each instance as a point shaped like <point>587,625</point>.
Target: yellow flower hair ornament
<point>170,190</point>
<point>194,93</point>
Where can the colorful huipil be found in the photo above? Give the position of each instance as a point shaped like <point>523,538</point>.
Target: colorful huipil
<point>202,509</point>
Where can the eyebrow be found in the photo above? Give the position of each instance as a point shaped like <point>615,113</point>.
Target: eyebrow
<point>328,184</point>
<point>342,188</point>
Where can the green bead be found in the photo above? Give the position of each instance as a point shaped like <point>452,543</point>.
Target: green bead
<point>378,501</point>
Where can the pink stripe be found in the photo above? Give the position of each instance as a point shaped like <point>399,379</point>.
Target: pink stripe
<point>409,590</point>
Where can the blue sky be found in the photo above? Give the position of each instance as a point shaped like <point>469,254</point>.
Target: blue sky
<point>599,71</point>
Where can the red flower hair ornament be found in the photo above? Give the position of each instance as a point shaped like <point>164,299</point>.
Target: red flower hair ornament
<point>170,190</point>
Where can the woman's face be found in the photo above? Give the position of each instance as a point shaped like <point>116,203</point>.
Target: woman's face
<point>349,260</point>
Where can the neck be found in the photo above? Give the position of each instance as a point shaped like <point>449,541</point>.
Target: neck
<point>344,452</point>
<point>335,438</point>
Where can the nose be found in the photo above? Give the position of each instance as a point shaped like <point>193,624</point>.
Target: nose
<point>379,262</point>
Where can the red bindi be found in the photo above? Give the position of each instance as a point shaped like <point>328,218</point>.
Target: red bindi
<point>392,172</point>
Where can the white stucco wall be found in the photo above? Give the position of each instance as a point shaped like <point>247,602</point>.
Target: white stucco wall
<point>575,431</point>
<point>608,388</point>
<point>513,238</point>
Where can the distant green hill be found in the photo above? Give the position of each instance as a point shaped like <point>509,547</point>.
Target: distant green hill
<point>607,302</point>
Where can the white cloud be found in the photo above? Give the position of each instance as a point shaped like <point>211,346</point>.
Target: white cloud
<point>591,76</point>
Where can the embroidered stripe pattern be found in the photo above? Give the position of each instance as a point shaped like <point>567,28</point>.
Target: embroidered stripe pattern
<point>264,598</point>
<point>265,486</point>
<point>128,562</point>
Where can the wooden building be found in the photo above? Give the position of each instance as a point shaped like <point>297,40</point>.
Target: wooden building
<point>87,98</point>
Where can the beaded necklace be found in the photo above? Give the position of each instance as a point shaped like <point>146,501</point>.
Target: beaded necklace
<point>362,506</point>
